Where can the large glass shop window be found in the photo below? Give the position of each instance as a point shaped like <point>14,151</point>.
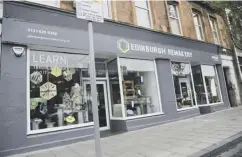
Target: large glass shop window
<point>139,84</point>
<point>206,84</point>
<point>56,90</point>
<point>183,85</point>
<point>211,83</point>
<point>115,89</point>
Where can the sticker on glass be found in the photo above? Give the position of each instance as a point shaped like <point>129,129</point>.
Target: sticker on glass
<point>36,77</point>
<point>56,71</point>
<point>48,90</point>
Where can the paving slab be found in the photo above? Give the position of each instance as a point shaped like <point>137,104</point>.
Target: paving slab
<point>193,137</point>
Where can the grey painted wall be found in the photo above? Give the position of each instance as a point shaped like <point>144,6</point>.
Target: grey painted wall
<point>13,114</point>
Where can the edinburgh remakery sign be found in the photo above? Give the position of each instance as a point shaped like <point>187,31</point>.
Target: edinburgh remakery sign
<point>125,46</point>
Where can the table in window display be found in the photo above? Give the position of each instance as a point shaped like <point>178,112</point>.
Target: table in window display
<point>57,97</point>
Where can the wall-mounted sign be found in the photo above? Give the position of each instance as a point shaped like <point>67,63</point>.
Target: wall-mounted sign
<point>48,90</point>
<point>89,10</point>
<point>124,46</point>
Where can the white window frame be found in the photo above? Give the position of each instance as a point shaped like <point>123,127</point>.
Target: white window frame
<point>57,2</point>
<point>122,96</point>
<point>212,21</point>
<point>47,130</point>
<point>149,12</point>
<point>200,26</point>
<point>178,18</point>
<point>194,93</point>
<point>205,88</point>
<point>109,9</point>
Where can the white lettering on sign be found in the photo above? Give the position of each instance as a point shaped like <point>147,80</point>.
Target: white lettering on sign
<point>41,31</point>
<point>49,59</point>
<point>89,10</point>
<point>154,49</point>
<point>215,58</point>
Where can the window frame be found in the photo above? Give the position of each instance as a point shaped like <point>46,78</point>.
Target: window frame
<point>199,15</point>
<point>46,130</point>
<point>178,17</point>
<point>122,96</point>
<point>213,20</point>
<point>195,97</point>
<point>57,3</point>
<point>205,88</point>
<point>148,9</point>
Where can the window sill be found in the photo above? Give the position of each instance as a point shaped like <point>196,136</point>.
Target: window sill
<point>218,103</point>
<point>144,116</point>
<point>62,128</point>
<point>187,108</point>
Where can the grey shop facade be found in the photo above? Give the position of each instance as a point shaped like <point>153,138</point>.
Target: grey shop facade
<point>144,78</point>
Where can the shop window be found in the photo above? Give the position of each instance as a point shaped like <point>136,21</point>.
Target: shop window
<point>143,13</point>
<point>115,89</point>
<point>183,85</point>
<point>139,85</point>
<point>56,94</point>
<point>214,29</point>
<point>100,70</point>
<point>240,63</point>
<point>211,84</point>
<point>174,19</point>
<point>198,25</point>
<point>206,84</point>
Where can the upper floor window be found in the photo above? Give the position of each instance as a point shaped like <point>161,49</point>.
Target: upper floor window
<point>106,9</point>
<point>53,3</point>
<point>198,25</point>
<point>143,13</point>
<point>214,29</point>
<point>174,19</point>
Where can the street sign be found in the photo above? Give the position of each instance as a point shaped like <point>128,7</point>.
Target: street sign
<point>91,10</point>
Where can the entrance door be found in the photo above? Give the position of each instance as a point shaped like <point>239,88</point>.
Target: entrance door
<point>102,102</point>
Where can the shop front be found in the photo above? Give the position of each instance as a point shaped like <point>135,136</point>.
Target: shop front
<point>143,78</point>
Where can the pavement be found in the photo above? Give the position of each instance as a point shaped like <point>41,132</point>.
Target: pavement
<point>182,138</point>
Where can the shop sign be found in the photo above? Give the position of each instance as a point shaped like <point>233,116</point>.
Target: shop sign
<point>124,46</point>
<point>215,58</point>
<point>89,10</point>
<point>48,90</point>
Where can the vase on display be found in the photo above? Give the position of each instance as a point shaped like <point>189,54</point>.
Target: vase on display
<point>60,116</point>
<point>138,110</point>
<point>80,117</point>
<point>35,124</point>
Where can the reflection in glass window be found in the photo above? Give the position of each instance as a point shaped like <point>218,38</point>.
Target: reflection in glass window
<point>198,85</point>
<point>115,89</point>
<point>183,85</point>
<point>206,84</point>
<point>56,90</point>
<point>198,25</point>
<point>174,19</point>
<point>143,13</point>
<point>140,89</point>
<point>213,25</point>
<point>211,83</point>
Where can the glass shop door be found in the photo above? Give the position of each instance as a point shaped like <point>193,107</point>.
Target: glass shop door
<point>102,102</point>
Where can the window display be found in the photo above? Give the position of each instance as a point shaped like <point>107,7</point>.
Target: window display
<point>183,85</point>
<point>140,89</point>
<point>56,90</point>
<point>211,83</point>
<point>199,86</point>
<point>115,89</point>
<point>206,84</point>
